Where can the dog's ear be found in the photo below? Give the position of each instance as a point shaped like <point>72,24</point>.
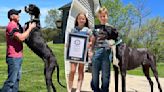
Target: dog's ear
<point>26,9</point>
<point>31,6</point>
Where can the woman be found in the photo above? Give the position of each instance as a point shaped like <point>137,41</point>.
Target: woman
<point>81,27</point>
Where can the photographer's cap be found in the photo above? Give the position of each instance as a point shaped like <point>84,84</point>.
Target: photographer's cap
<point>13,11</point>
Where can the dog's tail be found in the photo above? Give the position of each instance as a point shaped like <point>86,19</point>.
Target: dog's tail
<point>58,77</point>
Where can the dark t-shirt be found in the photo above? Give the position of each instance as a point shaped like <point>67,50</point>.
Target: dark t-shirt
<point>103,33</point>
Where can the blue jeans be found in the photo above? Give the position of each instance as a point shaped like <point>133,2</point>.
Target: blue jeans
<point>14,74</point>
<point>101,61</point>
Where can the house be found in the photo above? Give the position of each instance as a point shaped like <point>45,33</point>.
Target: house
<point>70,11</point>
<point>87,6</point>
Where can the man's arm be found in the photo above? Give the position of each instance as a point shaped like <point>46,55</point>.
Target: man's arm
<point>22,36</point>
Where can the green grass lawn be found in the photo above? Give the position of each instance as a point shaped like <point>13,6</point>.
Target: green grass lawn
<point>32,72</point>
<point>138,71</point>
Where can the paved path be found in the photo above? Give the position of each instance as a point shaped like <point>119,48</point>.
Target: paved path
<point>134,83</point>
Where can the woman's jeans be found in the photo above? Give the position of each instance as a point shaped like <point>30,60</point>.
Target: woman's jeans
<point>101,61</point>
<point>14,74</point>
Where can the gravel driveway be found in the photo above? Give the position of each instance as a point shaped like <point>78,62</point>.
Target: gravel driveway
<point>134,83</point>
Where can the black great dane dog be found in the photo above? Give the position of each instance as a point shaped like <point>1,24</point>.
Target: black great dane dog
<point>38,45</point>
<point>131,58</point>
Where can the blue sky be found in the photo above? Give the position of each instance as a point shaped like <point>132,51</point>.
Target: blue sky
<point>156,7</point>
<point>44,6</point>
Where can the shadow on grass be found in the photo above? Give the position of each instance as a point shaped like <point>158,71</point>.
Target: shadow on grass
<point>74,90</point>
<point>22,91</point>
<point>18,91</point>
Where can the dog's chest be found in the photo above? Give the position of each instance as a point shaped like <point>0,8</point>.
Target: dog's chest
<point>35,37</point>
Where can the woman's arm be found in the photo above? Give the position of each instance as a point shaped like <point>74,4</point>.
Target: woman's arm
<point>91,45</point>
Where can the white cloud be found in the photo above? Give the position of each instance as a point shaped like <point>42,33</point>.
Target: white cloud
<point>6,9</point>
<point>23,16</point>
<point>44,10</point>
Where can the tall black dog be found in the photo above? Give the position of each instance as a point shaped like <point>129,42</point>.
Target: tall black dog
<point>131,58</point>
<point>38,45</point>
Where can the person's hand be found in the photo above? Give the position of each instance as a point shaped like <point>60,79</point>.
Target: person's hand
<point>66,45</point>
<point>32,25</point>
<point>90,53</point>
<point>110,46</point>
<point>89,45</point>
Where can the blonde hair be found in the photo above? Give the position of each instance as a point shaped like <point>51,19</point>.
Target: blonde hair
<point>102,9</point>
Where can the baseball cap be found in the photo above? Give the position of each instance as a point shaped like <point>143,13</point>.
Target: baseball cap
<point>13,11</point>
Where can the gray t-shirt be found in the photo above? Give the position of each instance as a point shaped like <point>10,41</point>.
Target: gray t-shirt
<point>103,33</point>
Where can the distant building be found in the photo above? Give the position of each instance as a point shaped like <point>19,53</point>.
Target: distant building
<point>65,13</point>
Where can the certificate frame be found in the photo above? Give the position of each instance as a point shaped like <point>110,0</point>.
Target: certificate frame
<point>77,47</point>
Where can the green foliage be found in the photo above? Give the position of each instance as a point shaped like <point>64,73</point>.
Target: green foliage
<point>122,17</point>
<point>119,15</point>
<point>150,37</point>
<point>51,18</point>
<point>2,36</point>
<point>50,34</point>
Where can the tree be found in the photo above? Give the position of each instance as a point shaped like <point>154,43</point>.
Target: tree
<point>49,34</point>
<point>151,37</point>
<point>141,13</point>
<point>160,40</point>
<point>135,30</point>
<point>51,18</point>
<point>121,16</point>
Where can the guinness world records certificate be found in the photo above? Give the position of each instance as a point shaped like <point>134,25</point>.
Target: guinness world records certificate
<point>77,47</point>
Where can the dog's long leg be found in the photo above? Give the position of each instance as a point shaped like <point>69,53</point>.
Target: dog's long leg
<point>155,72</point>
<point>123,72</point>
<point>156,77</point>
<point>49,68</point>
<point>146,72</point>
<point>123,75</point>
<point>52,64</point>
<point>116,77</point>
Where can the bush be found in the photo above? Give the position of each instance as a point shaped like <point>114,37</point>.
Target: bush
<point>50,34</point>
<point>2,36</point>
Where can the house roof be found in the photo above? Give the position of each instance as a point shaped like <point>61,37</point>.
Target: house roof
<point>65,6</point>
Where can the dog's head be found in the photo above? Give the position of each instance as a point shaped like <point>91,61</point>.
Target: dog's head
<point>32,10</point>
<point>107,32</point>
